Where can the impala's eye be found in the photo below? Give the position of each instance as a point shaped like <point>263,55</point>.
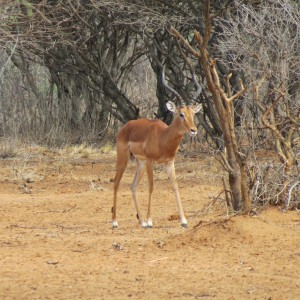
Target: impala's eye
<point>181,115</point>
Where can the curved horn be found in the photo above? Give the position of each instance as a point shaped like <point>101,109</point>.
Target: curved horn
<point>163,79</point>
<point>198,88</point>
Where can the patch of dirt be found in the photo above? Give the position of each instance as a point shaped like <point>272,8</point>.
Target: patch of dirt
<point>56,240</point>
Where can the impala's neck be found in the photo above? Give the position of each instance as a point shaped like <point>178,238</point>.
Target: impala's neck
<point>176,128</point>
<point>173,136</point>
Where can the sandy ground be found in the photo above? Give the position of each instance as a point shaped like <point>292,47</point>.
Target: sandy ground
<point>56,240</point>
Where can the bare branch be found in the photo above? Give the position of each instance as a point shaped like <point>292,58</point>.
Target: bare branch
<point>184,42</point>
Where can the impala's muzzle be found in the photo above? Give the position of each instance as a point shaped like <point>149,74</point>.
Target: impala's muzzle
<point>193,132</point>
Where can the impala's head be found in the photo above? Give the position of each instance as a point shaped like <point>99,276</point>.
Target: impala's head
<point>185,115</point>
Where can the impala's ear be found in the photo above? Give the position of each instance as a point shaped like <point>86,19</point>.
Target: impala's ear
<point>197,108</point>
<point>171,106</point>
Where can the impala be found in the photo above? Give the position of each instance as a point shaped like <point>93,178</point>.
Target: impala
<point>149,142</point>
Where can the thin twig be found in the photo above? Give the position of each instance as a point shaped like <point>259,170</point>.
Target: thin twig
<point>287,204</point>
<point>156,260</point>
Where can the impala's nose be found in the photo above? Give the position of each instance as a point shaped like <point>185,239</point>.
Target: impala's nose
<point>193,131</point>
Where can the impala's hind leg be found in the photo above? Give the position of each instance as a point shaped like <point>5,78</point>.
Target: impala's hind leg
<point>140,168</point>
<point>122,160</point>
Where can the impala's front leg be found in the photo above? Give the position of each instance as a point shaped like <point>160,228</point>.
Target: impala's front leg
<point>150,183</point>
<point>172,176</point>
<point>140,168</point>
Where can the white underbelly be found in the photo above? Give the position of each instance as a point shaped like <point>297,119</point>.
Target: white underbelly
<point>136,148</point>
<point>140,157</point>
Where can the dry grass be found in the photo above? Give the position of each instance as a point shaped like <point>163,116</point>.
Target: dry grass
<point>8,149</point>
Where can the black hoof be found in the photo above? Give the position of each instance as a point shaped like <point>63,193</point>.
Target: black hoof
<point>184,226</point>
